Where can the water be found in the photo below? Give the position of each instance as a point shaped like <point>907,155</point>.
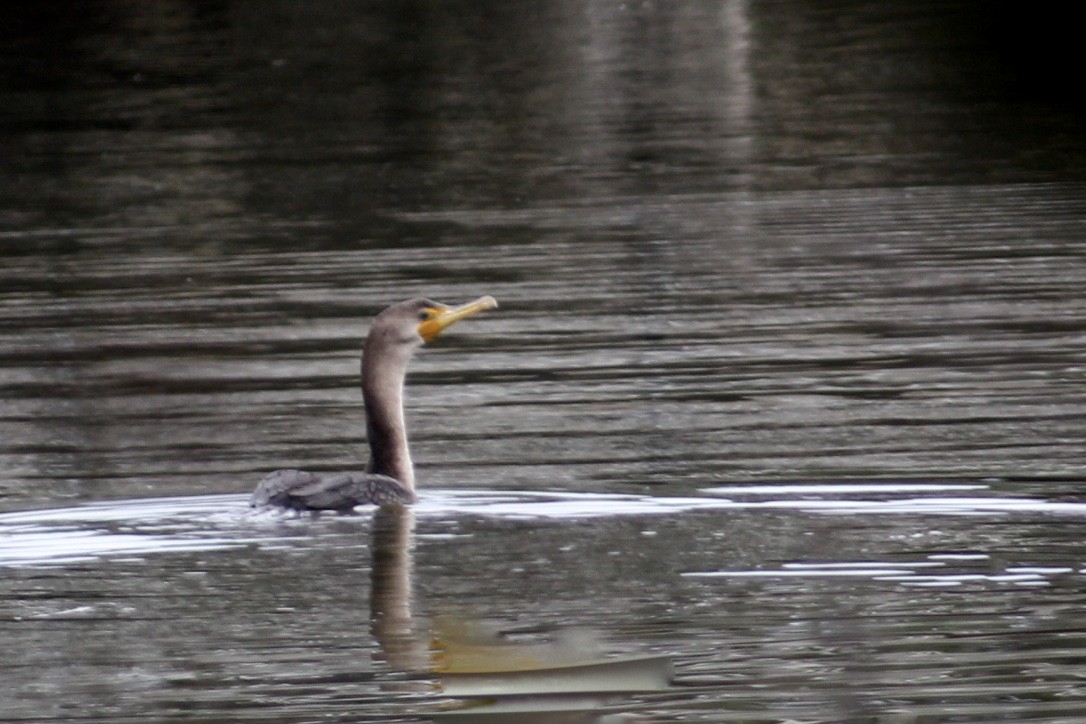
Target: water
<point>779,420</point>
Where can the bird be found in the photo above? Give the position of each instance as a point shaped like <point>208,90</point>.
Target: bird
<point>389,477</point>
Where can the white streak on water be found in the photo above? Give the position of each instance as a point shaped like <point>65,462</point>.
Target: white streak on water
<point>932,571</point>
<point>133,528</point>
<point>842,488</point>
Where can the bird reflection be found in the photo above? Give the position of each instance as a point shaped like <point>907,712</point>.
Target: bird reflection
<point>391,620</point>
<point>493,676</point>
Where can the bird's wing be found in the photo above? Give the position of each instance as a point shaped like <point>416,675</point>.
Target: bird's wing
<point>274,487</point>
<point>300,490</point>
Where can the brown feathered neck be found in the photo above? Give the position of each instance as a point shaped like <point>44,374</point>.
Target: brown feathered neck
<point>385,356</point>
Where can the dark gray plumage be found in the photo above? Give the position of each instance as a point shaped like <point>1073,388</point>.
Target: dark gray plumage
<point>389,478</point>
<point>300,490</point>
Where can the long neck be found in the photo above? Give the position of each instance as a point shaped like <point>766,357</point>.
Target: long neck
<point>383,370</point>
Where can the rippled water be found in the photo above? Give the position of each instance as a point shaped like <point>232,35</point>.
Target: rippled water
<point>770,601</point>
<point>780,418</point>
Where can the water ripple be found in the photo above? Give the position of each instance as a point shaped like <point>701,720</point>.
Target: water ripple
<point>60,536</point>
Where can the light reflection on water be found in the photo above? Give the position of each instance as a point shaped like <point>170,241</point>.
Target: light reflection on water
<point>754,620</point>
<point>161,525</point>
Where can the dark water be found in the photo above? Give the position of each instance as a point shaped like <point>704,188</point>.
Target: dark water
<point>780,418</point>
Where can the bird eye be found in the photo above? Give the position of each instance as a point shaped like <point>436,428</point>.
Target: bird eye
<point>424,315</point>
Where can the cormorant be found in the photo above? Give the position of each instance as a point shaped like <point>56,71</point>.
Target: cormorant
<point>389,478</point>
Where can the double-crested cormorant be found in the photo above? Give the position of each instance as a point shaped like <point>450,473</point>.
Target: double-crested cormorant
<point>389,477</point>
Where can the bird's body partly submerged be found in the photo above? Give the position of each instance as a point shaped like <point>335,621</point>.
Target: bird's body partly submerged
<point>301,490</point>
<point>389,478</point>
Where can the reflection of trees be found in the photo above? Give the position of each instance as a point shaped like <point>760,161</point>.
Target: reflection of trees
<point>114,134</point>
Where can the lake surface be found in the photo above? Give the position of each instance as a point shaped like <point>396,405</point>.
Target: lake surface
<point>780,417</point>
